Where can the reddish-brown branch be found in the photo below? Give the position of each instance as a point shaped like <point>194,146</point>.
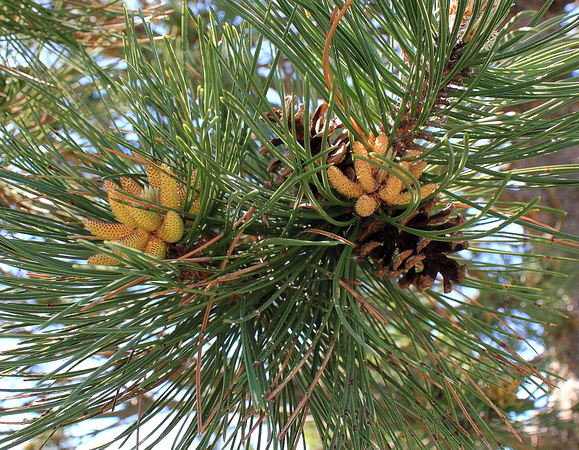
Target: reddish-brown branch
<point>330,235</point>
<point>481,392</point>
<point>308,392</point>
<point>225,395</point>
<point>261,417</point>
<point>367,305</point>
<point>295,370</point>
<point>300,432</point>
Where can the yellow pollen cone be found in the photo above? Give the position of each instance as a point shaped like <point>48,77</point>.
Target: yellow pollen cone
<point>131,186</point>
<point>366,205</point>
<point>148,219</point>
<point>154,176</point>
<point>417,168</point>
<point>156,247</point>
<point>390,192</point>
<point>106,230</point>
<point>428,189</point>
<point>196,205</point>
<point>343,184</point>
<point>137,239</point>
<point>120,210</point>
<point>168,195</point>
<point>181,192</point>
<point>172,228</point>
<point>110,186</point>
<point>100,259</point>
<point>364,170</point>
<point>381,144</point>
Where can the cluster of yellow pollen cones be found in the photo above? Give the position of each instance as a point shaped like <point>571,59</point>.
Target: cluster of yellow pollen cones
<point>147,220</point>
<point>374,186</point>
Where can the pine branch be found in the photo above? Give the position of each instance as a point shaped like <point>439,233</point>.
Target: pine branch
<point>282,299</point>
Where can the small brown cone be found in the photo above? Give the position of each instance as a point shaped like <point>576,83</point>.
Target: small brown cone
<point>172,228</point>
<point>105,230</point>
<point>137,240</point>
<point>100,259</point>
<point>168,190</point>
<point>156,247</point>
<point>120,210</point>
<point>131,186</point>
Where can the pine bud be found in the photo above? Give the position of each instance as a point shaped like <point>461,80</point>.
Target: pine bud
<point>196,205</point>
<point>364,170</point>
<point>380,145</point>
<point>366,205</point>
<point>181,193</point>
<point>154,176</point>
<point>343,184</point>
<point>391,192</point>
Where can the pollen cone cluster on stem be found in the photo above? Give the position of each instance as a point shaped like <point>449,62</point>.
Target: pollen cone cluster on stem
<point>146,214</point>
<point>382,173</point>
<point>374,186</point>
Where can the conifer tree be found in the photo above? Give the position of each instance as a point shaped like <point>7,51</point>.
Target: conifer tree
<point>291,217</point>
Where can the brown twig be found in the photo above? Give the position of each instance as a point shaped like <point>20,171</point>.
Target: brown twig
<point>330,235</point>
<point>496,317</point>
<point>283,365</point>
<point>449,386</point>
<point>308,392</point>
<point>301,431</point>
<point>199,249</point>
<point>225,395</point>
<point>335,20</point>
<point>367,305</point>
<point>261,417</point>
<point>481,392</point>
<point>115,292</point>
<point>295,370</point>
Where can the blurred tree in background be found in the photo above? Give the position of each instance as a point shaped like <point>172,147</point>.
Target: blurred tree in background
<point>318,176</point>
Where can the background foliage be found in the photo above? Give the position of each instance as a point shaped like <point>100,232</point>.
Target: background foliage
<point>262,321</point>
